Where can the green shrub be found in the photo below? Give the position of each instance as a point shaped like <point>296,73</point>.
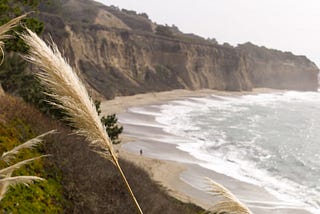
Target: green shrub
<point>110,123</point>
<point>163,71</point>
<point>164,31</point>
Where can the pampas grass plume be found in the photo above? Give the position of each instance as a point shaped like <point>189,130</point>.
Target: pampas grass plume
<point>10,169</point>
<point>71,96</point>
<point>70,93</point>
<point>13,181</point>
<point>229,204</point>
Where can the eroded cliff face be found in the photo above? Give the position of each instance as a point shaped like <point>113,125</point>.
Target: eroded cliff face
<point>126,63</point>
<point>281,70</point>
<point>119,53</point>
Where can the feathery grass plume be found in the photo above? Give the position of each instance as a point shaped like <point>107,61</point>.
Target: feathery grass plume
<point>7,156</point>
<point>13,181</point>
<point>7,181</point>
<point>71,95</point>
<point>10,169</point>
<point>26,180</point>
<point>4,186</point>
<point>4,29</point>
<point>229,204</point>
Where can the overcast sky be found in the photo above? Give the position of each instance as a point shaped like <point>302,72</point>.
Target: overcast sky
<point>288,25</point>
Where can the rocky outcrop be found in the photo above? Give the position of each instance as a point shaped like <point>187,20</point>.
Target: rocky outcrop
<point>120,52</point>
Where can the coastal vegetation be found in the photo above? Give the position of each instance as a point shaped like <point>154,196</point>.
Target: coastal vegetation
<point>15,73</point>
<point>20,122</point>
<point>73,178</point>
<point>19,160</point>
<point>110,123</point>
<point>163,30</point>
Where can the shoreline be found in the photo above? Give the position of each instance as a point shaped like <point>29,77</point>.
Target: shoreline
<point>177,171</point>
<point>121,103</point>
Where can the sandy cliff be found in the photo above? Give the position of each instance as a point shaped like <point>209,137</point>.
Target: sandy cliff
<point>120,52</point>
<point>276,69</point>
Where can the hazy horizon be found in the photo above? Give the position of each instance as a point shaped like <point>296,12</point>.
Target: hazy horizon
<point>286,25</point>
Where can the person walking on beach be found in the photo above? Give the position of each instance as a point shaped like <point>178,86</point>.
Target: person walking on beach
<point>140,151</point>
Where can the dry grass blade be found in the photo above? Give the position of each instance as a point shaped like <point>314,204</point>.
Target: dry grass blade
<point>4,187</point>
<point>26,180</point>
<point>7,156</point>
<point>217,189</point>
<point>5,175</point>
<point>229,204</point>
<point>10,169</point>
<point>229,207</point>
<point>9,25</point>
<point>4,29</point>
<point>72,96</point>
<point>13,181</point>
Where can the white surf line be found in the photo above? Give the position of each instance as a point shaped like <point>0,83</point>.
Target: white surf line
<point>273,204</point>
<point>270,202</point>
<point>279,207</point>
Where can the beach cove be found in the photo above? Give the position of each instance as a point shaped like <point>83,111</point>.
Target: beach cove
<point>176,170</point>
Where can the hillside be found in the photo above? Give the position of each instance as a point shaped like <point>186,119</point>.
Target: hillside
<point>120,52</point>
<point>78,180</point>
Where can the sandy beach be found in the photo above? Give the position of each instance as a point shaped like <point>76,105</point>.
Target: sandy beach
<point>175,170</point>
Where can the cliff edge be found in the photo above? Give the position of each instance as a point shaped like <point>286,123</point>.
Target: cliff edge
<point>121,52</point>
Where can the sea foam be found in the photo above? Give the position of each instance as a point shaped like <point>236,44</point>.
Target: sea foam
<point>270,140</point>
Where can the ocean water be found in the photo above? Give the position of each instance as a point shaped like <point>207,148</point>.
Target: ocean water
<point>270,140</point>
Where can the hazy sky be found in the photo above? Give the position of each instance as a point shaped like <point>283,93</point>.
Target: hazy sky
<point>288,25</point>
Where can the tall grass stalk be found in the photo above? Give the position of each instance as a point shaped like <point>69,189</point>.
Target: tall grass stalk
<point>229,204</point>
<point>71,96</point>
<point>10,169</point>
